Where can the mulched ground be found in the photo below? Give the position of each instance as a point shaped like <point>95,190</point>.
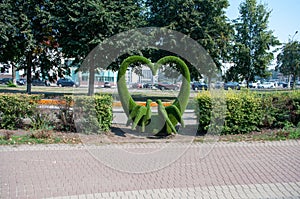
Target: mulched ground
<point>118,135</point>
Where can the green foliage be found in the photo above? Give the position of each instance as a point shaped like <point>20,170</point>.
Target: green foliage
<point>104,113</point>
<point>10,84</point>
<point>65,115</point>
<point>141,116</point>
<point>14,108</point>
<point>203,111</point>
<point>27,37</point>
<point>281,109</point>
<point>84,24</point>
<point>243,113</point>
<point>202,20</point>
<point>41,120</point>
<point>288,60</point>
<point>249,111</point>
<point>251,53</point>
<point>93,114</point>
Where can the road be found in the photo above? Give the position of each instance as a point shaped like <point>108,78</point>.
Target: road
<point>203,170</point>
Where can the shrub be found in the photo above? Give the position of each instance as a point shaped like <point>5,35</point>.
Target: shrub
<point>249,111</point>
<point>243,112</point>
<point>42,119</point>
<point>281,109</point>
<point>14,108</point>
<point>104,111</point>
<point>65,115</point>
<point>93,114</point>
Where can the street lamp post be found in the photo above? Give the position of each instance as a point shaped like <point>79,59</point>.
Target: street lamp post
<point>289,82</point>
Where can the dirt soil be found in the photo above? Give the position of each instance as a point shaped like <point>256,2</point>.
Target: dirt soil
<point>121,134</point>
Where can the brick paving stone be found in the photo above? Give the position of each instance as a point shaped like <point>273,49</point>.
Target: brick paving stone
<point>223,170</point>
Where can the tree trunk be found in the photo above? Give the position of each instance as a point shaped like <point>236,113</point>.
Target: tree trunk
<point>14,81</point>
<point>91,81</point>
<point>29,62</point>
<point>294,81</point>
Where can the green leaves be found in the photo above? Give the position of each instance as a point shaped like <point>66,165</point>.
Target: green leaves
<point>14,108</point>
<point>252,42</point>
<point>202,20</point>
<point>288,61</point>
<point>141,116</point>
<point>250,111</point>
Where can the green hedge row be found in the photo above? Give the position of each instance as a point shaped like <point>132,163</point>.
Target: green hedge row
<point>79,113</point>
<point>93,113</point>
<point>14,108</point>
<point>248,111</point>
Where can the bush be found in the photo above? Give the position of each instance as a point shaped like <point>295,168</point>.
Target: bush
<point>104,111</point>
<point>93,114</point>
<point>249,111</point>
<point>65,115</point>
<point>281,109</point>
<point>243,112</point>
<point>14,108</point>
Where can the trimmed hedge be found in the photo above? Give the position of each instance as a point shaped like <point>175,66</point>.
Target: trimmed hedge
<point>92,113</point>
<point>14,108</point>
<point>251,111</point>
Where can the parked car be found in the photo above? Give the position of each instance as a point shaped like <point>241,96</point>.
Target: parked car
<point>218,85</point>
<point>107,85</point>
<point>6,80</point>
<point>137,85</point>
<point>266,85</point>
<point>148,85</point>
<point>232,85</point>
<point>64,82</point>
<point>167,86</point>
<point>39,82</point>
<point>199,86</point>
<point>21,82</point>
<point>283,84</point>
<point>253,85</point>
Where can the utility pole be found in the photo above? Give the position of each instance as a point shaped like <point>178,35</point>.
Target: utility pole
<point>289,78</point>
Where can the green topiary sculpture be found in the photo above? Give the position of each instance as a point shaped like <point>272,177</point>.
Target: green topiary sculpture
<point>140,116</point>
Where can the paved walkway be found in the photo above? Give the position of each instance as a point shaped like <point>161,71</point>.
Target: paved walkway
<point>200,170</point>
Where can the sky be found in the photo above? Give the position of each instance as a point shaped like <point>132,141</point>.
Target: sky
<point>284,19</point>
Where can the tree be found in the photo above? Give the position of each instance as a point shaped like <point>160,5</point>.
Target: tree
<point>288,60</point>
<point>9,48</point>
<point>202,20</point>
<point>84,24</point>
<point>251,52</point>
<point>28,38</point>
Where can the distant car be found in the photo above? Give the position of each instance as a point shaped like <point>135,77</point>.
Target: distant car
<point>6,80</point>
<point>107,85</point>
<point>266,85</point>
<point>232,85</point>
<point>137,85</point>
<point>21,82</point>
<point>148,85</point>
<point>64,82</point>
<point>167,86</point>
<point>218,85</point>
<point>199,86</point>
<point>253,85</point>
<point>283,84</point>
<point>38,82</point>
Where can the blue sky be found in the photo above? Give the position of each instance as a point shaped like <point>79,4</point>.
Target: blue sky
<point>284,20</point>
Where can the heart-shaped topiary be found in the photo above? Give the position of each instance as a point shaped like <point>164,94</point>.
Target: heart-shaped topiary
<point>168,117</point>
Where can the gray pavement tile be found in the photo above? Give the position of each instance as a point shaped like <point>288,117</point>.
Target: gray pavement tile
<point>229,170</point>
